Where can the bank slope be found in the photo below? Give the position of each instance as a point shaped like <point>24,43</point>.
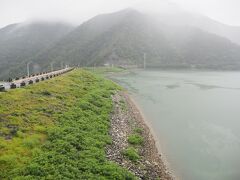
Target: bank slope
<point>58,129</point>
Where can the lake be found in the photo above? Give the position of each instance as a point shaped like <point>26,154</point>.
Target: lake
<point>196,118</point>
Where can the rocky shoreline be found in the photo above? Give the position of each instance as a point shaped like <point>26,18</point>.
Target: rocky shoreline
<point>125,119</point>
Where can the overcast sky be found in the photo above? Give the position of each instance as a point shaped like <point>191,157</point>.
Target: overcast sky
<point>77,11</point>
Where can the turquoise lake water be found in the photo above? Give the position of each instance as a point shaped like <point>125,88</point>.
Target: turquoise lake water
<point>196,118</point>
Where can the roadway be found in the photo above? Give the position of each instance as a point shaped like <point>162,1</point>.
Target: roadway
<point>33,78</point>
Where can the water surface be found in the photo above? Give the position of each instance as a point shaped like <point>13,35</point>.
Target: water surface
<point>196,117</point>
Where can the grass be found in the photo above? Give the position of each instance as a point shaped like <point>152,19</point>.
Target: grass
<point>135,139</point>
<point>106,70</point>
<point>58,129</point>
<point>138,130</point>
<point>132,154</point>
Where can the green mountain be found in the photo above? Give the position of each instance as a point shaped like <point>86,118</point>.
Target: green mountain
<point>123,37</point>
<point>20,42</point>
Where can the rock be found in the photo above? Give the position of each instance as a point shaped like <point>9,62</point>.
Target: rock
<point>122,124</point>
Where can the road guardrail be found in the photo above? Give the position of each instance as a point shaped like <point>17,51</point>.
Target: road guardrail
<point>31,79</point>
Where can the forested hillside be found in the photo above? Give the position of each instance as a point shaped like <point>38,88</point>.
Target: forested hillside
<point>120,38</point>
<point>20,42</point>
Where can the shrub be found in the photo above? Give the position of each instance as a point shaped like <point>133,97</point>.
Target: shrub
<point>135,139</point>
<point>131,153</point>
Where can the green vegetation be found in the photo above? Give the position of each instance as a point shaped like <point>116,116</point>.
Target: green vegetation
<point>135,139</point>
<point>118,38</point>
<point>138,130</point>
<point>123,105</point>
<point>20,43</point>
<point>122,37</point>
<point>58,129</point>
<point>105,70</point>
<point>131,153</point>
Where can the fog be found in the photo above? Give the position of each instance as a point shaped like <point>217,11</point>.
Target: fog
<point>77,11</point>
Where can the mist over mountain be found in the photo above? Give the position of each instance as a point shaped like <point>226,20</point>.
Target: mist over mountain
<point>169,40</point>
<point>202,22</point>
<point>20,42</point>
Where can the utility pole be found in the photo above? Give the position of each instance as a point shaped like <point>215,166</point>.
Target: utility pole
<point>144,60</point>
<point>52,66</point>
<point>28,72</point>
